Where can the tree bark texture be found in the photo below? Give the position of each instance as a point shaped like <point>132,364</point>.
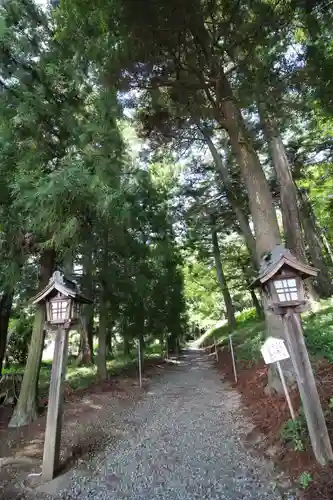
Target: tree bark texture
<point>263,214</point>
<point>221,277</point>
<point>102,334</point>
<point>314,241</point>
<point>327,246</point>
<point>242,218</point>
<point>85,354</point>
<point>265,224</point>
<point>256,304</point>
<point>87,333</point>
<point>26,409</point>
<point>127,346</point>
<point>288,194</point>
<point>6,302</point>
<point>109,338</point>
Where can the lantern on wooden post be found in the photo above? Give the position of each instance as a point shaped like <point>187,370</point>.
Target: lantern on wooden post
<point>281,278</point>
<point>63,303</point>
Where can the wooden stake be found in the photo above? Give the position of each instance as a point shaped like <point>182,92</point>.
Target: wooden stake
<point>286,392</point>
<point>140,367</point>
<point>315,419</point>
<point>55,407</point>
<point>216,351</point>
<point>233,358</point>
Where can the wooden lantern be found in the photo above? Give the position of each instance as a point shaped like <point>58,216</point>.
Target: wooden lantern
<point>281,278</point>
<point>62,299</point>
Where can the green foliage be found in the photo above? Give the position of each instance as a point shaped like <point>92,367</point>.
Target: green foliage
<point>250,333</point>
<point>305,479</point>
<point>318,331</point>
<point>136,226</point>
<point>330,404</point>
<point>247,316</point>
<point>295,432</point>
<point>20,329</point>
<point>84,376</point>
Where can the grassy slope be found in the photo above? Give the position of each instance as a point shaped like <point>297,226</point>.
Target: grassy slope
<point>83,376</point>
<point>249,335</point>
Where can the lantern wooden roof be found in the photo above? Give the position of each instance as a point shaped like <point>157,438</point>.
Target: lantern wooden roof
<point>279,257</point>
<point>59,284</point>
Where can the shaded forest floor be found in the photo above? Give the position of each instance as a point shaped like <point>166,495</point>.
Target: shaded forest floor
<point>270,414</point>
<point>182,440</point>
<point>84,432</point>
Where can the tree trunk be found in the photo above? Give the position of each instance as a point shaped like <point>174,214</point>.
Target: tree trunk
<point>102,334</point>
<point>5,311</point>
<point>242,218</point>
<point>221,277</point>
<point>260,199</point>
<point>314,241</point>
<point>327,246</point>
<point>109,342</point>
<point>256,304</point>
<point>263,214</point>
<point>85,354</point>
<point>288,192</point>
<point>127,346</point>
<point>26,409</point>
<point>162,345</point>
<point>88,313</point>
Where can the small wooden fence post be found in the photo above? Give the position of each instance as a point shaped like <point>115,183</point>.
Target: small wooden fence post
<point>140,363</point>
<point>233,358</point>
<point>216,351</point>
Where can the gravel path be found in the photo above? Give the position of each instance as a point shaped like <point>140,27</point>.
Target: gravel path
<point>183,443</point>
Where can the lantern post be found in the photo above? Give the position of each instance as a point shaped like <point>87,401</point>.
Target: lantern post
<point>281,278</point>
<point>63,306</point>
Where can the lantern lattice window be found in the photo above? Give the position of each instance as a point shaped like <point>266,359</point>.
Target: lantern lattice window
<point>286,289</point>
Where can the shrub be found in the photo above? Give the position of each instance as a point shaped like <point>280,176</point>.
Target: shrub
<point>295,432</point>
<point>19,338</point>
<point>247,315</point>
<point>318,332</point>
<point>304,480</point>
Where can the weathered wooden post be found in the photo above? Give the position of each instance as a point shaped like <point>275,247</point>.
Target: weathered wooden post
<point>233,358</point>
<point>281,278</point>
<point>62,300</point>
<point>140,363</point>
<point>216,351</point>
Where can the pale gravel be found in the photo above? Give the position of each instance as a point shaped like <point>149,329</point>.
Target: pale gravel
<point>182,441</point>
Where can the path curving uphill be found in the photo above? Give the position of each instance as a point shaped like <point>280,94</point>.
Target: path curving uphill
<point>183,442</point>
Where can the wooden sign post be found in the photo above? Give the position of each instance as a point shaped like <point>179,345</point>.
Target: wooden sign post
<point>274,351</point>
<point>55,407</point>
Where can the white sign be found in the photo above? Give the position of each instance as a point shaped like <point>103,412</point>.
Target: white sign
<point>274,350</point>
